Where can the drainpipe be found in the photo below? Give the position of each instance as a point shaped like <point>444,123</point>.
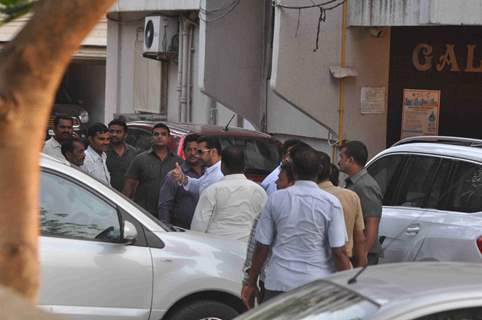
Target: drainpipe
<point>185,59</point>
<point>190,51</point>
<point>341,91</point>
<point>180,65</point>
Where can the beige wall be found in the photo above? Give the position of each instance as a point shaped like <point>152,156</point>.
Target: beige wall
<point>302,77</point>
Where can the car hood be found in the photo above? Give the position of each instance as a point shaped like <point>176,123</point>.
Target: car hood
<point>207,242</point>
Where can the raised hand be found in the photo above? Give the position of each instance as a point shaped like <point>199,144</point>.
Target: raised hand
<point>177,174</point>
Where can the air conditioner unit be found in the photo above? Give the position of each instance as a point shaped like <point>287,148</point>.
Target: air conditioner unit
<point>160,35</point>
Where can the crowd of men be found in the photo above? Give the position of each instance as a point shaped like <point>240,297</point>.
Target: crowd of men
<point>298,224</point>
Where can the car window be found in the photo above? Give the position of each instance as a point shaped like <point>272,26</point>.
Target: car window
<point>261,155</point>
<point>317,301</point>
<point>132,135</point>
<point>465,188</point>
<point>417,180</point>
<point>68,210</point>
<point>383,171</point>
<point>437,196</point>
<point>460,314</point>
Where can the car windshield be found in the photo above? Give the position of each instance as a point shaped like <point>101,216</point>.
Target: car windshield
<point>318,300</point>
<point>262,155</point>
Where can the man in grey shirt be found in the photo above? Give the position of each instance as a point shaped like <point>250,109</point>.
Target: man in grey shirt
<point>353,157</point>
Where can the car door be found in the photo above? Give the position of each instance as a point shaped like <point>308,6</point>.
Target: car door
<point>86,272</point>
<point>412,206</point>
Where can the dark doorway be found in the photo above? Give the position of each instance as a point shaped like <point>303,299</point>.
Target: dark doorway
<point>458,79</point>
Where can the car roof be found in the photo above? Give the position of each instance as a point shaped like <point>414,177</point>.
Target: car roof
<point>203,129</point>
<point>393,282</point>
<point>439,149</point>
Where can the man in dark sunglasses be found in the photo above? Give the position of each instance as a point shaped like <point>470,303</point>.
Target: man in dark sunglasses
<point>209,151</point>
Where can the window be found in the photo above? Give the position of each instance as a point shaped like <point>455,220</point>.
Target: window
<point>465,188</point>
<point>438,192</point>
<point>460,314</point>
<point>383,170</point>
<point>416,184</point>
<point>68,210</point>
<point>261,155</point>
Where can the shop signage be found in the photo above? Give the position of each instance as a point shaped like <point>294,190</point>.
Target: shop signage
<point>424,60</point>
<point>421,110</point>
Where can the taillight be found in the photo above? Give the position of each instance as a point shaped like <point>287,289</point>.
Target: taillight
<point>479,244</point>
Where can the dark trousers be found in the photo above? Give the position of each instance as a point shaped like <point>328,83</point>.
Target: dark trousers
<point>270,294</point>
<point>372,259</point>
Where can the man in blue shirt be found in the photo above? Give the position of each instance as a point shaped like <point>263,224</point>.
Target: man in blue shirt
<point>176,205</point>
<point>269,183</point>
<point>304,227</point>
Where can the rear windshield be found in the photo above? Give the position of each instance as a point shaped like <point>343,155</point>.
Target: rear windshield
<point>318,300</point>
<point>262,155</point>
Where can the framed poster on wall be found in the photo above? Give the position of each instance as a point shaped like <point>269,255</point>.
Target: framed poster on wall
<point>420,112</point>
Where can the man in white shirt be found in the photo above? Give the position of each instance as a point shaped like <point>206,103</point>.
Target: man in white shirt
<point>95,156</point>
<point>229,207</point>
<point>209,151</point>
<point>63,130</point>
<point>305,229</point>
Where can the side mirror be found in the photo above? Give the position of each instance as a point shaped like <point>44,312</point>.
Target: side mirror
<point>129,233</point>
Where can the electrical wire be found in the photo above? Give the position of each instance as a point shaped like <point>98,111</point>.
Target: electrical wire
<point>323,7</point>
<point>278,4</point>
<point>203,14</point>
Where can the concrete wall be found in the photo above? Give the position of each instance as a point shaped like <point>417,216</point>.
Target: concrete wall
<point>122,81</point>
<point>415,12</point>
<point>301,76</point>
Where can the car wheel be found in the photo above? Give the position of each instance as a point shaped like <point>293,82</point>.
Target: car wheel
<point>204,310</point>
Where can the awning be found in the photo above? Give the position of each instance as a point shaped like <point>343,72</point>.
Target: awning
<point>93,46</point>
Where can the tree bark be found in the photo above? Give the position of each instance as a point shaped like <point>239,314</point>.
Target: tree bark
<point>31,68</point>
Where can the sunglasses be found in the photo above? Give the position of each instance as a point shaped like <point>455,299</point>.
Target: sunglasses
<point>200,152</point>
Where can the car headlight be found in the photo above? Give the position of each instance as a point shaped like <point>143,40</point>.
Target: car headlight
<point>84,117</point>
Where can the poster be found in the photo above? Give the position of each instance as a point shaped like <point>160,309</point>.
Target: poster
<point>372,100</point>
<point>420,115</point>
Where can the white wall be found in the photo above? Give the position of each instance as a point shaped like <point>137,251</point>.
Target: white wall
<point>302,77</point>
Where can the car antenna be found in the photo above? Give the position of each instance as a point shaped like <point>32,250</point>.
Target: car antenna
<point>229,122</point>
<point>352,280</point>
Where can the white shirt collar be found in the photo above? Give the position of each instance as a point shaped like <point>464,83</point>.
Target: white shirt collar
<point>213,167</point>
<point>94,153</point>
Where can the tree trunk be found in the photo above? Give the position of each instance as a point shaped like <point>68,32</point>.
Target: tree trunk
<point>31,68</point>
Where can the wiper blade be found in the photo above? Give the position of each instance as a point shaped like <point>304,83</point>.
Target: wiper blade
<point>353,279</point>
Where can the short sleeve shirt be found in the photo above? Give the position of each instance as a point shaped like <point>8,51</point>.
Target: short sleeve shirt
<point>352,211</point>
<point>150,171</point>
<point>301,224</point>
<point>370,196</point>
<point>118,165</point>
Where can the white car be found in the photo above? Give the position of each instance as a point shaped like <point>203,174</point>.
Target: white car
<point>103,257</point>
<point>432,199</point>
<point>402,291</point>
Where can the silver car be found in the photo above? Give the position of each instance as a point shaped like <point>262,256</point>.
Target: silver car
<point>432,199</point>
<point>102,257</point>
<point>405,291</point>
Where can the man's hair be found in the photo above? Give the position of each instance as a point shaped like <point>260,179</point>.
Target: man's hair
<point>287,168</point>
<point>118,122</point>
<point>211,142</point>
<point>306,162</point>
<point>68,145</point>
<point>163,126</point>
<point>96,128</point>
<point>190,138</point>
<point>334,174</point>
<point>325,166</point>
<point>288,144</point>
<point>299,145</point>
<point>232,158</point>
<point>356,150</point>
<point>62,117</point>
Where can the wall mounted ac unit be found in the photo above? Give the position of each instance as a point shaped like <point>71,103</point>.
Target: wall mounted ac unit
<point>160,36</point>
